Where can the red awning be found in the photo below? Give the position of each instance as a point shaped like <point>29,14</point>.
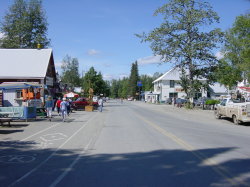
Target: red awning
<point>244,88</point>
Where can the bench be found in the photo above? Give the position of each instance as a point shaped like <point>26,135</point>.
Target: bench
<point>2,120</point>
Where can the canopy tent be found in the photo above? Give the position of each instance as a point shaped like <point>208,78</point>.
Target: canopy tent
<point>245,89</point>
<point>71,94</point>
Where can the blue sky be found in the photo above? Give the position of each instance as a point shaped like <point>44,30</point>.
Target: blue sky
<point>100,33</point>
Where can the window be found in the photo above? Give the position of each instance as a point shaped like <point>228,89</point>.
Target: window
<point>172,83</point>
<point>19,94</point>
<point>172,95</point>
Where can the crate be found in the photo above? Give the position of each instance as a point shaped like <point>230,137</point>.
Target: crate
<point>89,108</point>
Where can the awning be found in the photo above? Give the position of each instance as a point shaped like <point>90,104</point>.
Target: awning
<point>243,88</point>
<point>19,86</point>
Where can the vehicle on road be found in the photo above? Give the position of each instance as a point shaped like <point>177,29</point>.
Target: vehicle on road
<point>237,110</point>
<point>81,102</point>
<point>180,102</point>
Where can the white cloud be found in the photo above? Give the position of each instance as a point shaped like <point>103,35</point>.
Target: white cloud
<point>108,77</point>
<point>219,55</point>
<point>93,52</point>
<point>58,64</point>
<point>121,76</point>
<point>112,76</point>
<point>149,60</point>
<point>1,35</point>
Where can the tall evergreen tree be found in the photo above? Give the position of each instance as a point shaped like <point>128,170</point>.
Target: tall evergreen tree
<point>133,79</point>
<point>147,84</point>
<point>25,25</point>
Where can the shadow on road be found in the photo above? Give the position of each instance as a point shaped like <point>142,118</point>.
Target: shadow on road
<point>9,131</point>
<point>155,168</point>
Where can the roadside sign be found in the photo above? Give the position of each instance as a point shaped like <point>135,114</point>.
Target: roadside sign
<point>139,83</point>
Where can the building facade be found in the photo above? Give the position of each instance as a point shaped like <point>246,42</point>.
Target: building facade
<point>34,66</point>
<point>167,86</point>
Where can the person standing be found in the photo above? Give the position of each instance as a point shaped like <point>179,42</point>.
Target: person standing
<point>100,104</point>
<point>63,108</point>
<point>49,106</point>
<point>69,106</point>
<point>58,104</point>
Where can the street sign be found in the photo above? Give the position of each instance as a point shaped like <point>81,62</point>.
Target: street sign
<point>139,83</point>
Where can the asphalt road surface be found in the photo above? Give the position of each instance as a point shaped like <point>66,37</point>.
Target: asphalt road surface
<point>128,144</point>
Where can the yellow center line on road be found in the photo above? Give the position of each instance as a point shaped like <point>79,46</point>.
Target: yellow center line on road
<point>210,162</point>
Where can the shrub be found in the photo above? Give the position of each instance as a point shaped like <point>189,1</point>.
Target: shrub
<point>212,102</point>
<point>188,105</point>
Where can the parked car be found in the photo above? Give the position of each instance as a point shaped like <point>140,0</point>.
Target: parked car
<point>81,102</point>
<point>239,111</point>
<point>180,102</point>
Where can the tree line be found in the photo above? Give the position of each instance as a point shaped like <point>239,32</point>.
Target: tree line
<point>121,88</point>
<point>180,40</point>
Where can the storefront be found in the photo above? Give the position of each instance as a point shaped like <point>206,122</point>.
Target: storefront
<point>34,66</point>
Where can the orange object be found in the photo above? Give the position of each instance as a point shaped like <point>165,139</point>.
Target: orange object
<point>28,94</point>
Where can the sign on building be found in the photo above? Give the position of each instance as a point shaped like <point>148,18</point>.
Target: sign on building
<point>49,81</point>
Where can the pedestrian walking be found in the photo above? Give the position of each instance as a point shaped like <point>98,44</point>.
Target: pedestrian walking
<point>48,107</point>
<point>100,104</point>
<point>68,106</point>
<point>54,103</point>
<point>63,108</point>
<point>174,101</point>
<point>58,105</point>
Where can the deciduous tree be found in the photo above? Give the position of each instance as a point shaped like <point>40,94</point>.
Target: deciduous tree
<point>182,40</point>
<point>94,80</point>
<point>237,49</point>
<point>70,71</point>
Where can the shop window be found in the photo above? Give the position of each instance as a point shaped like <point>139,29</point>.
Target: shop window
<point>198,95</point>
<point>19,94</point>
<point>173,94</point>
<point>172,83</point>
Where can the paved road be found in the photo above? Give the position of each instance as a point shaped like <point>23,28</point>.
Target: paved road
<point>129,144</point>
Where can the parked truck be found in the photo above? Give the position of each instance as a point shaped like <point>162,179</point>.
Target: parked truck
<point>237,110</point>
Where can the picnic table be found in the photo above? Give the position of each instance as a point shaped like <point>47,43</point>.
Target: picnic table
<point>4,117</point>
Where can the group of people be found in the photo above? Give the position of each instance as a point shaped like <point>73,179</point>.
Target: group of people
<point>62,106</point>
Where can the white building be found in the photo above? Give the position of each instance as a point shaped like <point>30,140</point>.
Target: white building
<point>167,86</point>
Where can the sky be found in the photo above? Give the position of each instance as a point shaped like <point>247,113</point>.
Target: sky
<point>101,33</point>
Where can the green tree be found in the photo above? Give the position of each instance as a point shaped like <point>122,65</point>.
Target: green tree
<point>147,84</point>
<point>182,40</point>
<point>114,88</point>
<point>38,25</point>
<point>237,49</point>
<point>94,80</point>
<point>123,88</point>
<point>134,77</point>
<point>25,25</point>
<point>70,71</point>
<point>227,74</point>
